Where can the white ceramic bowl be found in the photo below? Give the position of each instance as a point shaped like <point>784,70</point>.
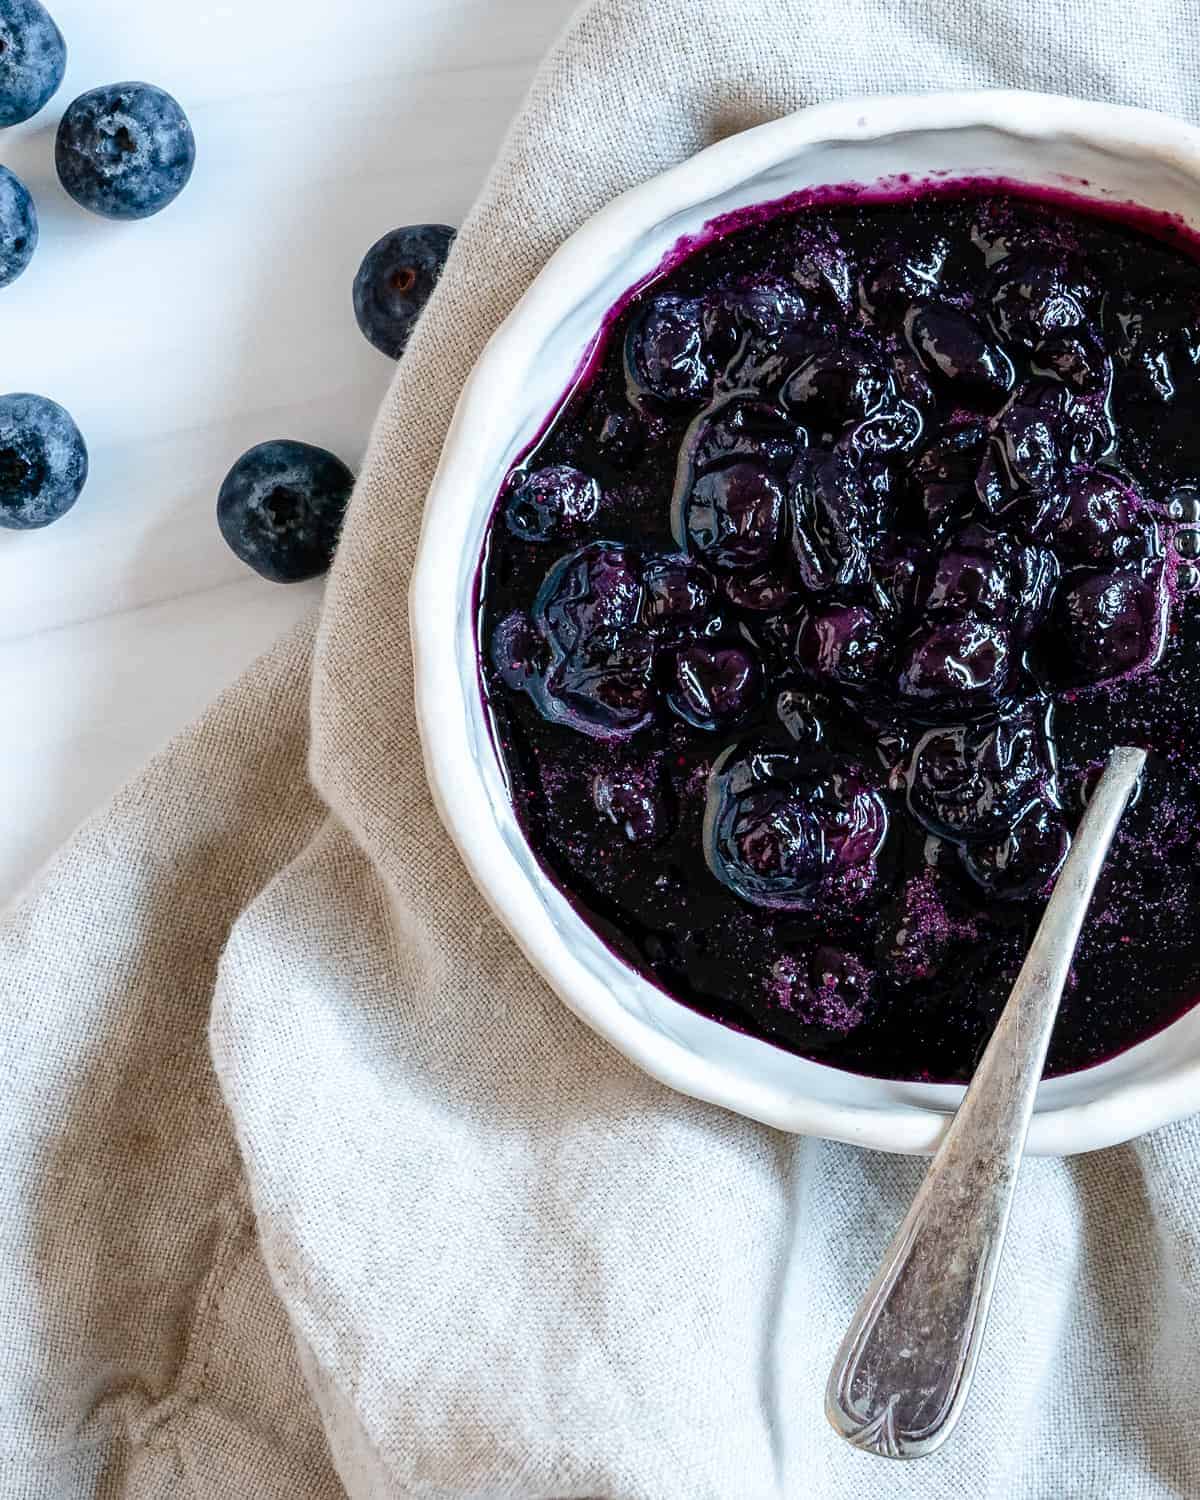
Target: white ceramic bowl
<point>1107,153</point>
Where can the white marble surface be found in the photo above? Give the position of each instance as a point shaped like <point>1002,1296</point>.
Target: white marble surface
<point>178,342</point>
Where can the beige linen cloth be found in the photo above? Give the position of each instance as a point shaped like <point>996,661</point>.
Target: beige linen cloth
<point>310,1187</point>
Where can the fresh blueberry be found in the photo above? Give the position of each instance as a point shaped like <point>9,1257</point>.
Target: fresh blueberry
<point>944,474</point>
<point>1035,300</point>
<point>124,151</point>
<point>844,645</point>
<point>711,686</point>
<point>1110,624</point>
<point>787,833</point>
<point>33,58</point>
<point>956,351</point>
<point>970,781</point>
<point>1025,860</point>
<point>18,227</point>
<point>1103,511</point>
<point>551,504</point>
<point>732,517</point>
<point>664,352</point>
<point>43,462</point>
<point>394,282</point>
<point>281,506</point>
<point>599,676</point>
<point>957,663</point>
<point>631,799</point>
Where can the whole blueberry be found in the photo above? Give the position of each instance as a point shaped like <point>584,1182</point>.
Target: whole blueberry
<point>970,781</point>
<point>631,798</point>
<point>732,517</point>
<point>43,462</point>
<point>844,645</point>
<point>18,227</point>
<point>551,503</point>
<point>956,351</point>
<point>665,357</point>
<point>955,663</point>
<point>1025,860</point>
<point>1109,624</point>
<point>711,686</point>
<point>396,279</point>
<point>281,507</point>
<point>33,58</point>
<point>125,150</point>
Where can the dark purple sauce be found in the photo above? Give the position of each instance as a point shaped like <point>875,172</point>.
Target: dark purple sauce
<point>864,535</point>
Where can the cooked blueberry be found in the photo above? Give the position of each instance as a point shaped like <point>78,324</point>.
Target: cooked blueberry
<point>551,504</point>
<point>1076,358</point>
<point>43,462</point>
<point>18,226</point>
<point>944,474</point>
<point>899,576</point>
<point>823,275</point>
<point>955,350</point>
<point>1102,510</point>
<point>1025,860</point>
<point>753,318</point>
<point>732,517</point>
<point>830,992</point>
<point>631,799</point>
<point>801,717</point>
<point>1036,573</point>
<point>835,520</point>
<point>955,663</point>
<point>845,645</point>
<point>1110,624</point>
<point>396,280</point>
<point>33,58</point>
<point>895,429</point>
<point>973,576</point>
<point>901,276</point>
<point>712,686</point>
<point>124,151</point>
<point>732,430</point>
<point>600,675</point>
<point>789,834</point>
<point>1035,301</point>
<point>1156,342</point>
<point>281,506</point>
<point>518,652</point>
<point>677,597</point>
<point>664,352</point>
<point>969,781</point>
<point>759,593</point>
<point>832,385</point>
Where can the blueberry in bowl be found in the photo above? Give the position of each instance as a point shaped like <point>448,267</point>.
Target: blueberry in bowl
<point>902,549</point>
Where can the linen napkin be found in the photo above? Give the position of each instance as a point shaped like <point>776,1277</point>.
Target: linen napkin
<point>310,1187</point>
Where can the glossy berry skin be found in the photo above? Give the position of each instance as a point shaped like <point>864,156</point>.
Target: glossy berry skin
<point>944,474</point>
<point>631,799</point>
<point>281,507</point>
<point>552,504</point>
<point>732,517</point>
<point>396,280</point>
<point>33,59</point>
<point>844,645</point>
<point>599,675</point>
<point>711,686</point>
<point>1102,513</point>
<point>125,151</point>
<point>787,833</point>
<point>955,350</point>
<point>1034,302</point>
<point>1110,624</point>
<point>833,385</point>
<point>973,576</point>
<point>664,352</point>
<point>43,462</point>
<point>957,663</point>
<point>1024,861</point>
<point>18,227</point>
<point>677,598</point>
<point>970,781</point>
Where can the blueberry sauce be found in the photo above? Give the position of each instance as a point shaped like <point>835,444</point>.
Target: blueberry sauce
<point>873,524</point>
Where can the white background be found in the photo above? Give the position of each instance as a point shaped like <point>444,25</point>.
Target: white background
<point>179,341</point>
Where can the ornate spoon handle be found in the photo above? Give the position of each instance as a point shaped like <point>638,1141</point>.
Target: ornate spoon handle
<point>904,1369</point>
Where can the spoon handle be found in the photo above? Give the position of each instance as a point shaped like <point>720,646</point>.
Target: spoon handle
<point>905,1366</point>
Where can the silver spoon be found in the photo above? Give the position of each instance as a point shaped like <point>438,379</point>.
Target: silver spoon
<point>904,1369</point>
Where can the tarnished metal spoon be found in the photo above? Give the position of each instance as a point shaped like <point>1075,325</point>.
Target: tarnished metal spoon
<point>904,1369</point>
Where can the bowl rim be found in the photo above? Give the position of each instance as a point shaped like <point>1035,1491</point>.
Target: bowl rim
<point>1133,1105</point>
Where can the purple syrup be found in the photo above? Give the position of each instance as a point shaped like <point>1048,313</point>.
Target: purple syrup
<point>868,529</point>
